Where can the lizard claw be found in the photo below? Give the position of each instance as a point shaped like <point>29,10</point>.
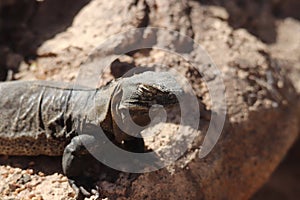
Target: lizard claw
<point>95,191</point>
<point>78,194</point>
<point>84,191</point>
<point>81,192</point>
<point>78,164</point>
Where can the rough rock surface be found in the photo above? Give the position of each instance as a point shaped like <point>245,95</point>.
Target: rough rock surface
<point>261,123</point>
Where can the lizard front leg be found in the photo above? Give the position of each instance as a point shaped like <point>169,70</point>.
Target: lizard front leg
<point>128,142</point>
<point>77,163</point>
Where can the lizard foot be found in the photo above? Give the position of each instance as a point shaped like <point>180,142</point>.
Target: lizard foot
<point>80,167</point>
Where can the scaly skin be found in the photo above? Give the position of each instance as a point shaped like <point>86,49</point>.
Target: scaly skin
<point>41,118</point>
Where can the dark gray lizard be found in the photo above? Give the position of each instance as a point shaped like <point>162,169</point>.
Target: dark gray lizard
<point>42,118</point>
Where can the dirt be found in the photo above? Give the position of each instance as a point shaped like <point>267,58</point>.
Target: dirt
<point>250,41</point>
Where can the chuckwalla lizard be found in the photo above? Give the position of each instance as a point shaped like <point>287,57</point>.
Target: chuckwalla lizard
<point>42,118</point>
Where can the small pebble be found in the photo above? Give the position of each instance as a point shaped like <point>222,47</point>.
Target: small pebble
<point>30,196</point>
<point>5,175</point>
<point>41,174</point>
<point>280,84</point>
<point>6,192</point>
<point>25,178</point>
<point>11,170</point>
<point>13,186</point>
<point>37,198</point>
<point>29,171</point>
<point>63,179</point>
<point>20,189</point>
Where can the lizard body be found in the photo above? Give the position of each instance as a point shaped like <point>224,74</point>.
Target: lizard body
<point>39,118</point>
<point>42,118</point>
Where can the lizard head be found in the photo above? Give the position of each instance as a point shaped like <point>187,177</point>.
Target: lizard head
<point>141,98</point>
<point>143,91</point>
